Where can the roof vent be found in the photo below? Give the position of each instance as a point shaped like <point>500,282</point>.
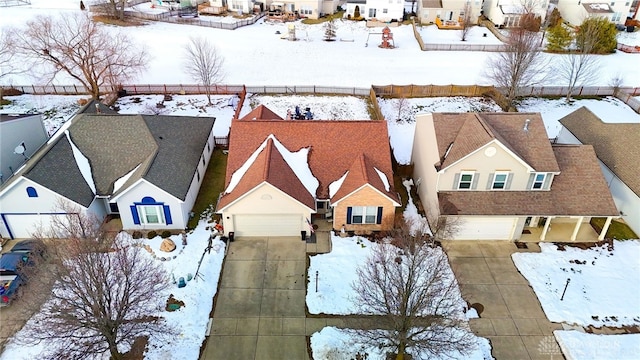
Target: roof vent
<point>98,108</point>
<point>526,125</point>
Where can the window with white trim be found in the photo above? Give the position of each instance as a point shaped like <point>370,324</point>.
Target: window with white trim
<point>384,11</point>
<point>364,214</point>
<point>236,5</point>
<point>466,180</point>
<point>306,10</point>
<point>500,180</point>
<point>616,17</point>
<point>151,214</point>
<point>538,181</point>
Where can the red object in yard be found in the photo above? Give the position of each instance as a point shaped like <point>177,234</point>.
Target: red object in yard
<point>387,38</point>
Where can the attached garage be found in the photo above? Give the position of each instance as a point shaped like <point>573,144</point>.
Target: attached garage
<point>267,225</point>
<point>484,228</point>
<point>19,226</point>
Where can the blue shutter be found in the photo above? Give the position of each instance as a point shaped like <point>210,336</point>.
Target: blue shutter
<point>349,215</point>
<point>167,214</point>
<point>134,214</point>
<point>379,218</point>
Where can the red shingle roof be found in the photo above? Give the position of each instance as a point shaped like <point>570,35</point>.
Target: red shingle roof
<point>272,168</point>
<point>334,146</point>
<point>261,112</point>
<point>361,172</point>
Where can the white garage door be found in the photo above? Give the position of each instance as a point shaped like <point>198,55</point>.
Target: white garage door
<point>268,225</point>
<point>23,226</point>
<point>487,228</point>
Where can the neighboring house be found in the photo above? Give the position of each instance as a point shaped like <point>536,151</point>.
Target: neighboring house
<point>508,13</point>
<point>381,10</point>
<point>617,146</point>
<point>284,174</point>
<point>575,12</point>
<point>496,176</point>
<point>311,9</point>
<point>20,137</point>
<point>146,169</point>
<point>449,12</point>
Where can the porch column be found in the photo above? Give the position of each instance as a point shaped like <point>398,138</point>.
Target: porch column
<point>603,233</point>
<point>543,236</point>
<point>577,228</point>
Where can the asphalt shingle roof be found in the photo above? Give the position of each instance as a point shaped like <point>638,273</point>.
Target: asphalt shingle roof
<point>617,145</point>
<point>60,176</point>
<point>114,145</point>
<point>272,168</point>
<point>181,142</point>
<point>166,150</point>
<point>468,132</point>
<point>334,145</point>
<point>579,190</point>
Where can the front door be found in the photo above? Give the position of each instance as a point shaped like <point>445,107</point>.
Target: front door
<point>372,13</point>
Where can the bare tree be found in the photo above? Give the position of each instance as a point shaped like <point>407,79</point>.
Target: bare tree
<point>104,296</point>
<point>76,46</point>
<point>7,55</point>
<point>520,65</point>
<point>466,21</point>
<point>576,69</point>
<point>112,8</point>
<point>412,287</point>
<point>203,63</point>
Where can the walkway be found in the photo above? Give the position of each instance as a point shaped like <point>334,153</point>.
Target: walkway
<point>512,317</point>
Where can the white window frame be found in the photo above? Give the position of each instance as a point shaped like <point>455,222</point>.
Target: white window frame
<point>616,17</point>
<point>146,210</point>
<point>368,214</point>
<point>306,10</point>
<point>536,181</point>
<point>495,180</point>
<point>460,181</point>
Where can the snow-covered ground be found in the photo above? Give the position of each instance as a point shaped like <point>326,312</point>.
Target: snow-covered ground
<point>609,109</point>
<point>603,289</point>
<point>192,319</point>
<point>338,344</point>
<point>257,55</point>
<point>577,345</point>
<point>336,272</point>
<point>57,109</point>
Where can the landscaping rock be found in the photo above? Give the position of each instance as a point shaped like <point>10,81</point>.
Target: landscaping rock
<point>167,245</point>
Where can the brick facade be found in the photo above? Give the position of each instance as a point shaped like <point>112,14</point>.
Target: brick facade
<point>365,196</point>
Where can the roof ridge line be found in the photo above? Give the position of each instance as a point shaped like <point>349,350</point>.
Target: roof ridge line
<point>267,161</point>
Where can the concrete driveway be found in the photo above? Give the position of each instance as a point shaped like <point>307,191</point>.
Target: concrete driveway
<point>260,308</point>
<point>512,318</point>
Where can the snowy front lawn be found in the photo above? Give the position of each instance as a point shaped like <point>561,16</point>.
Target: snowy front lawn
<point>190,320</point>
<point>604,286</point>
<point>336,272</point>
<point>577,345</point>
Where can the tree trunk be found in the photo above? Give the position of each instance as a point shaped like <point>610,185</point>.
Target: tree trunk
<point>113,350</point>
<point>401,349</point>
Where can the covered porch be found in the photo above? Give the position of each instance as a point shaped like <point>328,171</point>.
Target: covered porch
<point>562,229</point>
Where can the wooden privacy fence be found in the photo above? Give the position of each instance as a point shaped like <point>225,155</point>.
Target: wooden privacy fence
<point>411,91</point>
<point>308,89</point>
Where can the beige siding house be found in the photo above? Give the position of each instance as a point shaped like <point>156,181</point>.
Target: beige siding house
<point>447,13</point>
<point>496,176</point>
<point>282,175</point>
